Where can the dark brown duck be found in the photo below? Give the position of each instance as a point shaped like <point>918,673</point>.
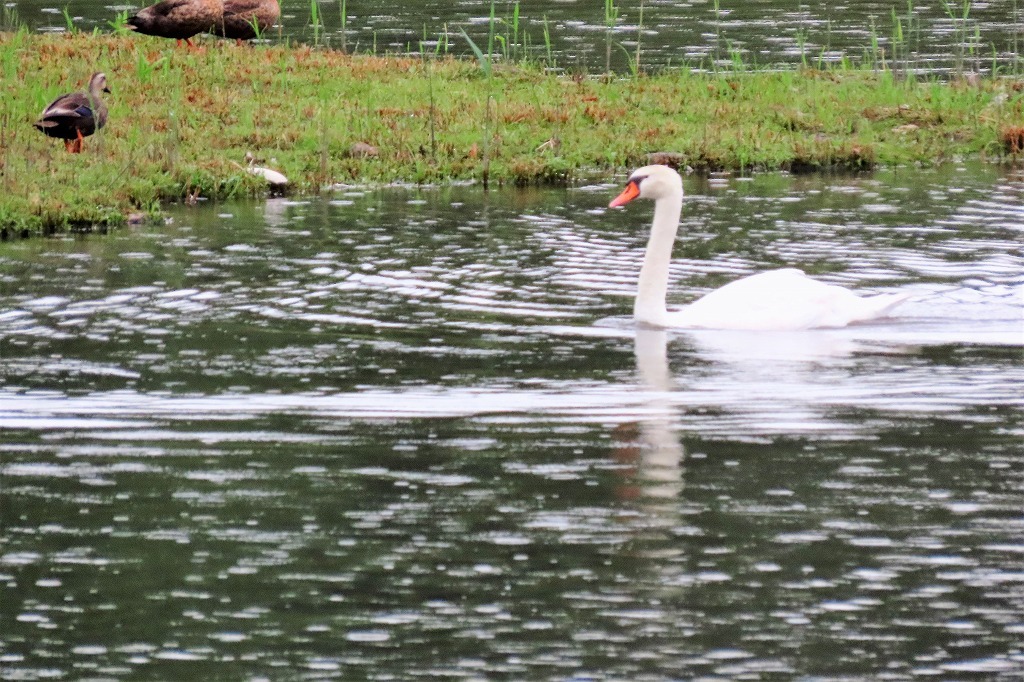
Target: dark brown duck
<point>77,115</point>
<point>178,19</point>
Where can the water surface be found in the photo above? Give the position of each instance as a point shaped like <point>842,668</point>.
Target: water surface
<point>410,432</point>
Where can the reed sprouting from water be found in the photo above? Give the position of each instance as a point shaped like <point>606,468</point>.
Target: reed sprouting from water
<point>517,51</point>
<point>343,10</point>
<point>639,39</point>
<point>1018,22</point>
<point>9,19</point>
<point>548,54</point>
<point>716,53</point>
<point>965,39</point>
<point>69,20</point>
<point>611,17</point>
<point>316,21</point>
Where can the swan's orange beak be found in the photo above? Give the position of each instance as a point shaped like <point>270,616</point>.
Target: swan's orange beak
<point>631,192</point>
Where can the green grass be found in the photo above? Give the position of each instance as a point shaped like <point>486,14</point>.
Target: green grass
<point>181,122</point>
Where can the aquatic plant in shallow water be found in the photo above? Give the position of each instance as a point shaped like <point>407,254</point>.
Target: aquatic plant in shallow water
<point>9,19</point>
<point>959,17</point>
<point>611,17</point>
<point>315,21</point>
<point>69,20</point>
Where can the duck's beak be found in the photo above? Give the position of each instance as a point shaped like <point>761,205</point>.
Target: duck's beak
<point>631,192</point>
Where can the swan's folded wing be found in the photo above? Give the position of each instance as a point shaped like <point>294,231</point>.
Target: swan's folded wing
<point>781,300</point>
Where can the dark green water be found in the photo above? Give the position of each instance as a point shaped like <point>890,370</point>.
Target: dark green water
<point>924,37</point>
<point>410,433</point>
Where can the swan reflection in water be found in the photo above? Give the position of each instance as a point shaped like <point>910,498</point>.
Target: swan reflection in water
<point>815,383</point>
<point>753,376</point>
<point>653,446</point>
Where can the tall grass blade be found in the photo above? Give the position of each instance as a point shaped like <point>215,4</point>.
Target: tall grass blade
<point>433,107</point>
<point>549,62</point>
<point>611,15</point>
<point>517,48</point>
<point>490,34</point>
<point>315,21</point>
<point>9,20</point>
<point>485,60</point>
<point>875,49</point>
<point>717,53</point>
<point>69,21</point>
<point>344,25</point>
<point>324,146</point>
<point>639,37</point>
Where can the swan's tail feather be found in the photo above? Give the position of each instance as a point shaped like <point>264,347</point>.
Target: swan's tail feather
<point>883,304</point>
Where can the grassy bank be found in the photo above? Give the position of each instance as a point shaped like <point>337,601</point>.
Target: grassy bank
<point>182,122</point>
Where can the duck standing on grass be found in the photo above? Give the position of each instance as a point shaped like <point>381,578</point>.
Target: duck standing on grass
<point>247,19</point>
<point>178,19</point>
<point>77,115</point>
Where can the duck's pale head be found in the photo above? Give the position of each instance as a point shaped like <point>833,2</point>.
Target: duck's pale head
<point>98,83</point>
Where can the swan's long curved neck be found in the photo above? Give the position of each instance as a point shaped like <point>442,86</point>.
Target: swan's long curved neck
<point>649,306</point>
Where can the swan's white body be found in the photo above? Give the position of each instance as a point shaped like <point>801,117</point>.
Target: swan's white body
<point>779,300</point>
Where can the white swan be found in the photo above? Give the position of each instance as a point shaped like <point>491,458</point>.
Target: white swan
<point>779,300</point>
